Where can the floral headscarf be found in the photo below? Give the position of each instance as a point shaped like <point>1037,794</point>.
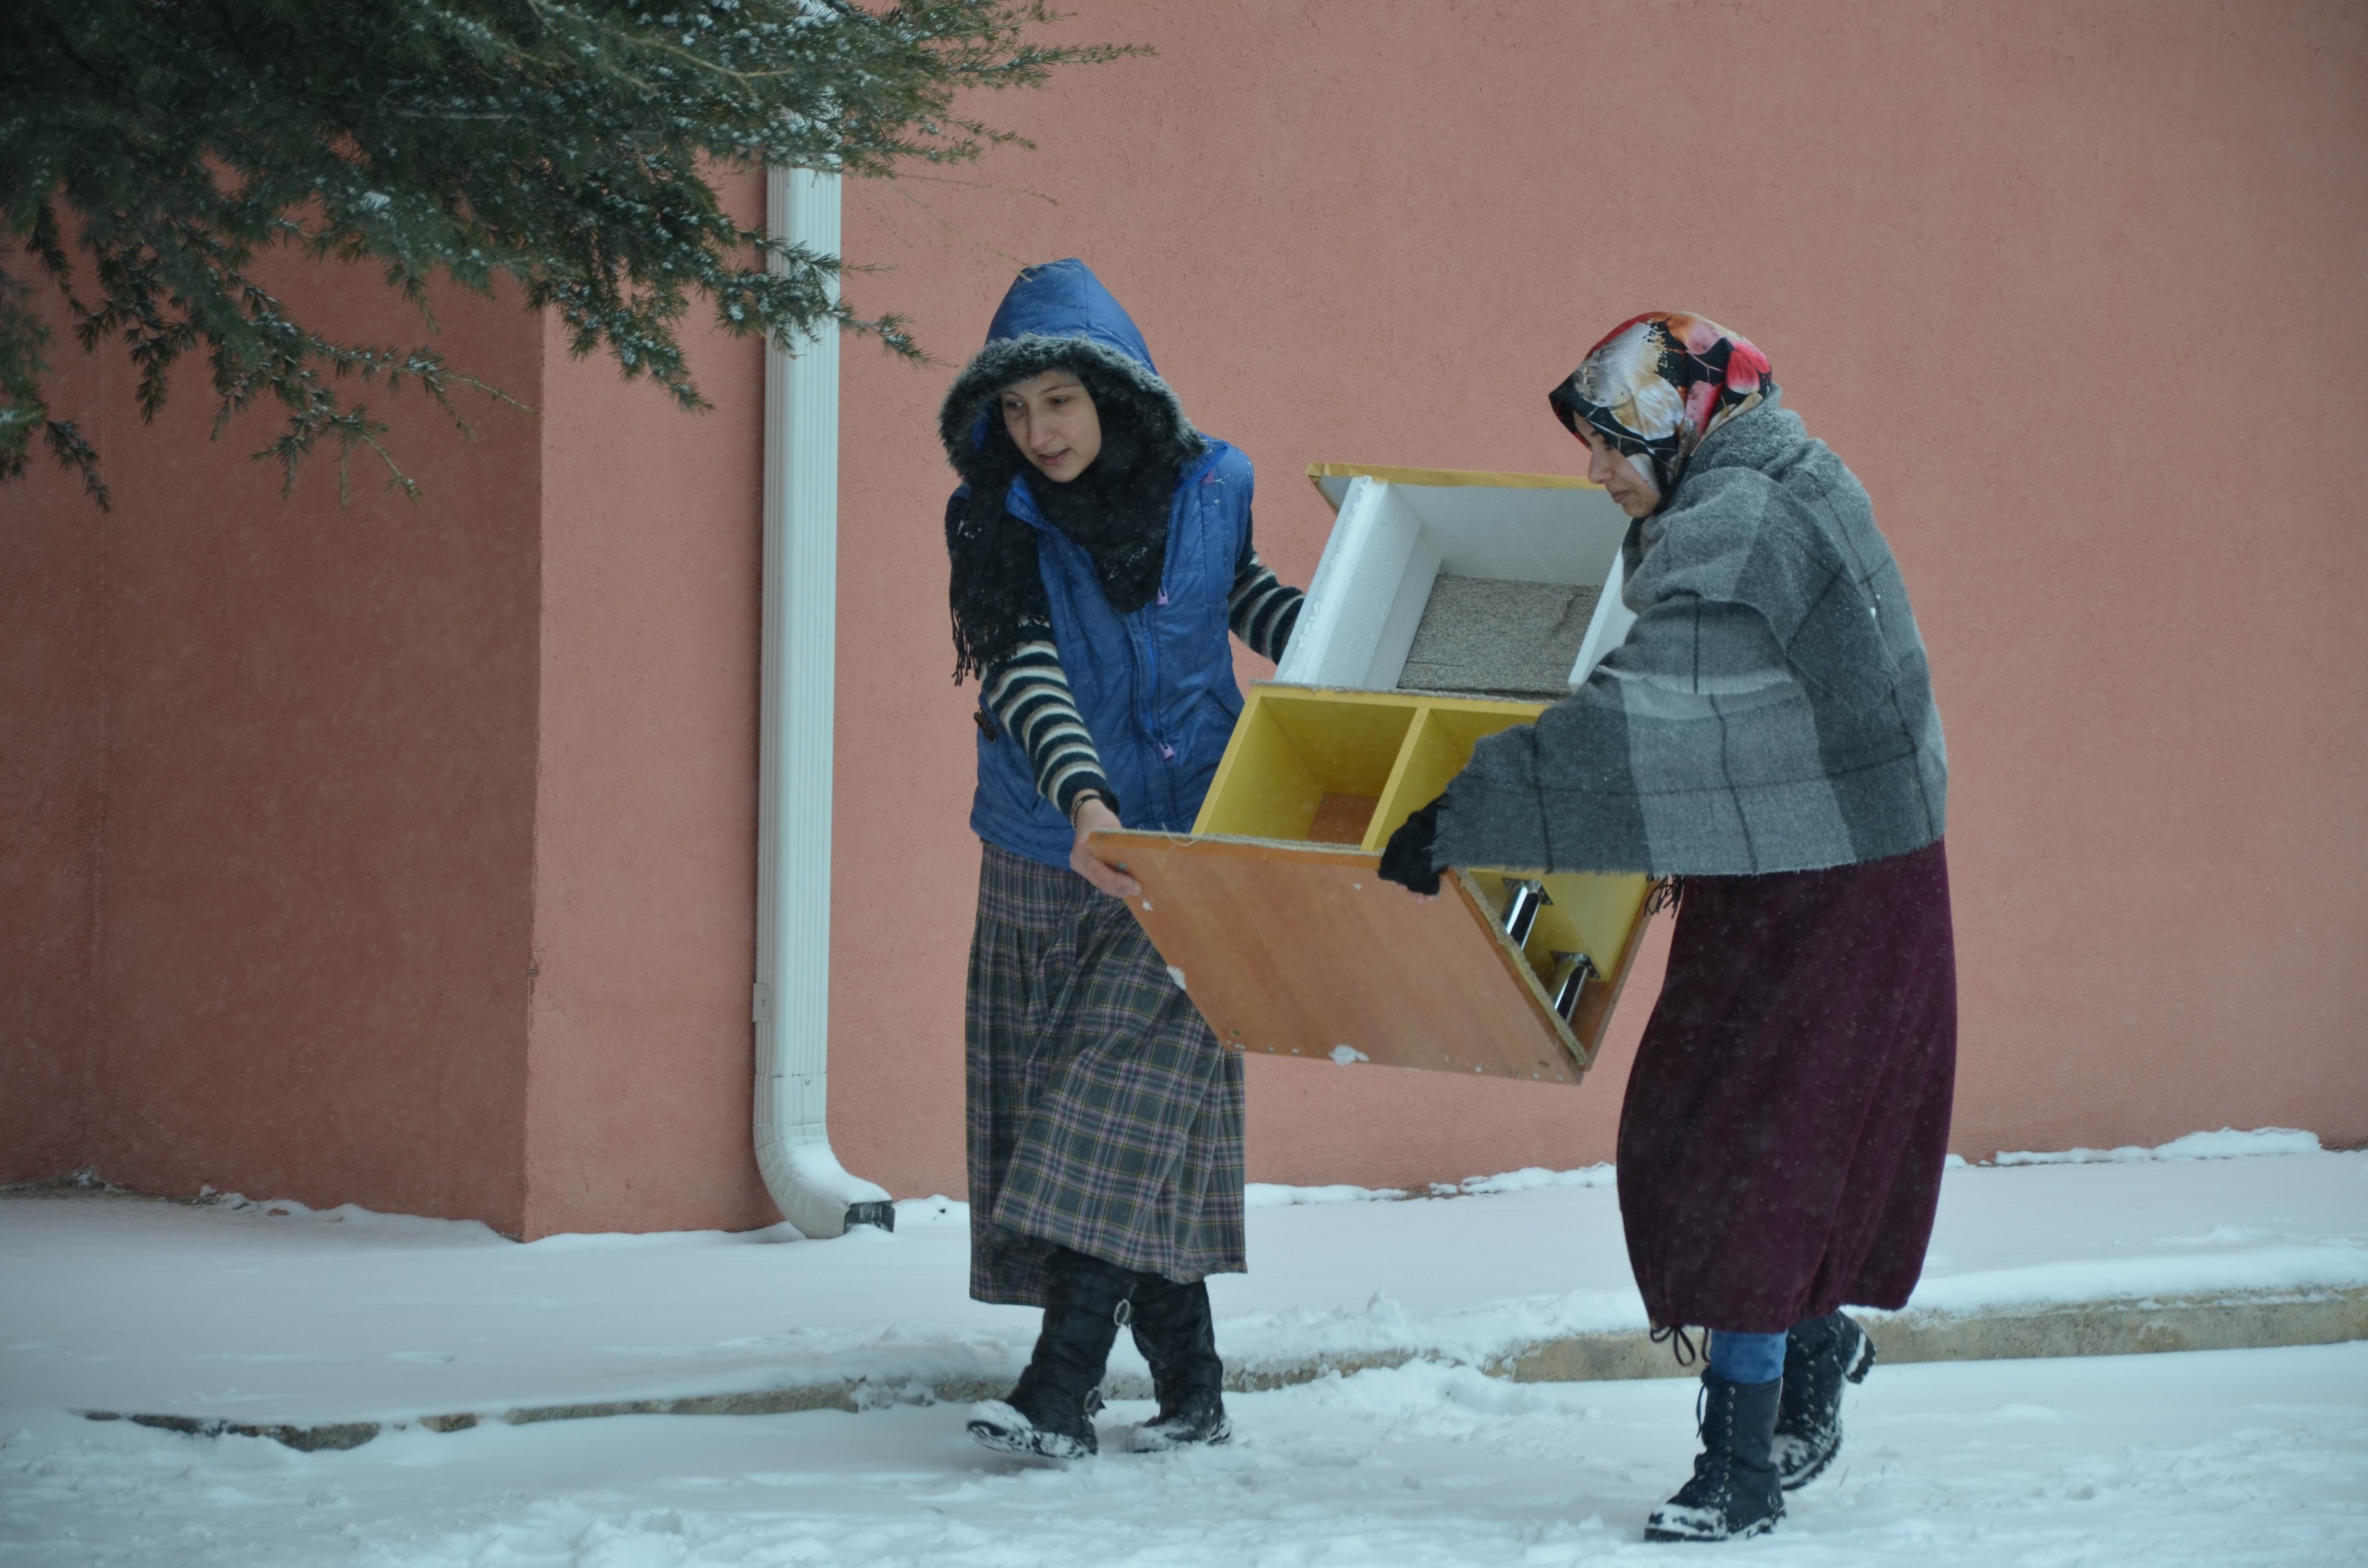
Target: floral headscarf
<point>1658,383</point>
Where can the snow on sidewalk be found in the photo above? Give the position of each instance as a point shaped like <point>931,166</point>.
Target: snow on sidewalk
<point>2239,1459</point>
<point>265,1314</point>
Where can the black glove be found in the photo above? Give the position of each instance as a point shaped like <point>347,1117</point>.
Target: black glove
<point>1407,858</point>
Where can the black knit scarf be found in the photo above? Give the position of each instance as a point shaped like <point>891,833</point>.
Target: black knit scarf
<point>1117,511</point>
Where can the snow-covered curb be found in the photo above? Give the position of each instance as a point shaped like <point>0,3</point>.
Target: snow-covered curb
<point>2219,1321</point>
<point>274,1316</point>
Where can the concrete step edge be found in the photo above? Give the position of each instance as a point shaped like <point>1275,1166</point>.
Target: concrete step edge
<point>2132,1325</point>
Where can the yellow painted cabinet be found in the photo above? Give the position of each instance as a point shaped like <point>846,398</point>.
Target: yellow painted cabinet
<point>1271,915</point>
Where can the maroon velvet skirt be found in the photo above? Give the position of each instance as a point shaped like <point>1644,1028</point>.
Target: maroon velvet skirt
<point>1781,1141</point>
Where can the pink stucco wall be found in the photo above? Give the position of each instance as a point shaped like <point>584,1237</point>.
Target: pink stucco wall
<point>403,854</point>
<point>284,759</point>
<point>395,853</point>
<point>52,745</point>
<point>639,1077</point>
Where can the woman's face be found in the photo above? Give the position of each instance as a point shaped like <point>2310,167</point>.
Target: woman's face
<point>1628,480</point>
<point>1052,420</point>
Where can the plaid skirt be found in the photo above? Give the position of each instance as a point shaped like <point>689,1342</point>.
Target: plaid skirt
<point>1104,1116</point>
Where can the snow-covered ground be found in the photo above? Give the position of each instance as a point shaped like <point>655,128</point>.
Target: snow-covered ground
<point>270,1313</point>
<point>2213,1459</point>
<point>266,1313</point>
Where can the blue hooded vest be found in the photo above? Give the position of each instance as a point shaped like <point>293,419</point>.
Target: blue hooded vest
<point>1155,688</point>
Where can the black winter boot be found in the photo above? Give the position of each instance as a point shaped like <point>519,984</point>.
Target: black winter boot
<point>1050,1411</point>
<point>1733,1492</point>
<point>1172,1329</point>
<point>1819,1357</point>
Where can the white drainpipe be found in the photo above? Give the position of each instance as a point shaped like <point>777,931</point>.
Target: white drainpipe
<point>791,1006</point>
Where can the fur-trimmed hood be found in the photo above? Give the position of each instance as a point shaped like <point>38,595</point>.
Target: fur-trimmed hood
<point>1055,316</point>
<point>1058,315</point>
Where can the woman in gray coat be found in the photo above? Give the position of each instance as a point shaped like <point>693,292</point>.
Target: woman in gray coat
<point>1765,735</point>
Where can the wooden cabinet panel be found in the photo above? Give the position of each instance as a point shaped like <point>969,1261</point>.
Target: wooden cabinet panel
<point>1301,950</point>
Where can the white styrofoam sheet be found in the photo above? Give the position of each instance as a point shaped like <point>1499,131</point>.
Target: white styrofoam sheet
<point>1393,539</point>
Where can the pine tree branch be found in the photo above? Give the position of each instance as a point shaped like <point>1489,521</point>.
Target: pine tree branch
<point>151,153</point>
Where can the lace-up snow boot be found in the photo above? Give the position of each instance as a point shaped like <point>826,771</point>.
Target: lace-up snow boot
<point>1173,1329</point>
<point>1820,1356</point>
<point>1733,1492</point>
<point>1050,1411</point>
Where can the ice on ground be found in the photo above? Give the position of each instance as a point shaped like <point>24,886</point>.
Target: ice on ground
<point>2243,1459</point>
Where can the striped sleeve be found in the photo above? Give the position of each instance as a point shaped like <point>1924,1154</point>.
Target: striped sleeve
<point>1260,609</point>
<point>1027,692</point>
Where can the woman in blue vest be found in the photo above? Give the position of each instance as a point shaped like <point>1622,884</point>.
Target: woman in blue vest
<point>1100,553</point>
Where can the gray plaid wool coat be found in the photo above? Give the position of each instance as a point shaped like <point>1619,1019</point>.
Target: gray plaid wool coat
<point>1770,710</point>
